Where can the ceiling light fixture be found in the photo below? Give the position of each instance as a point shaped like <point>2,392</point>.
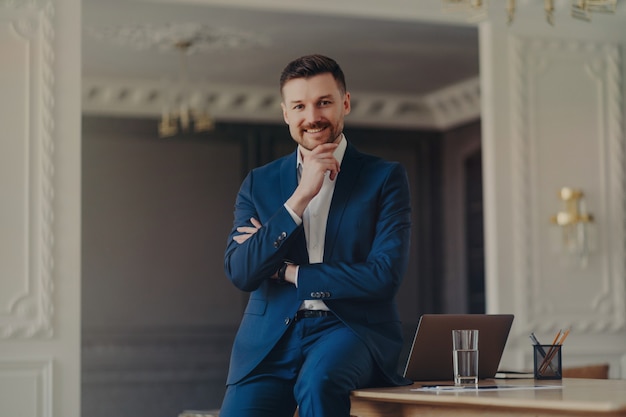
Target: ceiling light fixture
<point>580,9</point>
<point>475,8</point>
<point>179,115</point>
<point>185,108</point>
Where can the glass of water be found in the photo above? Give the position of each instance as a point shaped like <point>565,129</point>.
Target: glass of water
<point>465,356</point>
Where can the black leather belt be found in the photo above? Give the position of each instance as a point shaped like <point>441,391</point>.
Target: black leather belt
<point>308,314</point>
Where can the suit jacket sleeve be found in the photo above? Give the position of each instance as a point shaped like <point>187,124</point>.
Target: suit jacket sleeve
<point>367,239</point>
<point>249,264</point>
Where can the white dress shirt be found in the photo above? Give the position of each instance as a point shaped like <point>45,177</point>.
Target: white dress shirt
<point>315,217</point>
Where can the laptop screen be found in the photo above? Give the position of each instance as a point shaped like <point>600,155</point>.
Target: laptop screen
<point>430,358</point>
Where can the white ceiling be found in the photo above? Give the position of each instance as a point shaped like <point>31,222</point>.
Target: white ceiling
<point>401,49</point>
<point>410,63</point>
<point>378,55</point>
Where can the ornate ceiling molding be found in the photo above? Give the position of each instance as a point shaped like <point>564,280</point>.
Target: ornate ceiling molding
<point>440,110</point>
<point>167,37</point>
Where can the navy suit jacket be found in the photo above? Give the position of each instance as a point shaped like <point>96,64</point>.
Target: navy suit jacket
<point>365,257</point>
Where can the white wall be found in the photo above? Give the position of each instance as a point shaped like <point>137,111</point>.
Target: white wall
<point>40,208</point>
<point>553,116</point>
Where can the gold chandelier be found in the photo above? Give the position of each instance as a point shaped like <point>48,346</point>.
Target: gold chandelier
<point>580,9</point>
<point>179,115</point>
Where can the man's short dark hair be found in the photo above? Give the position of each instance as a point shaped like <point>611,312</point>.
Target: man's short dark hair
<point>310,65</point>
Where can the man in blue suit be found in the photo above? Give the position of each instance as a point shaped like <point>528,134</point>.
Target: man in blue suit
<point>321,242</point>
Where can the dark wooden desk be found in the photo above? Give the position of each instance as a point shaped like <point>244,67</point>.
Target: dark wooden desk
<point>573,398</point>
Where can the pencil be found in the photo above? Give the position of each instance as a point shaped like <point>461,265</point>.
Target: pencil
<point>559,333</point>
<point>542,352</point>
<point>552,352</point>
<point>548,358</point>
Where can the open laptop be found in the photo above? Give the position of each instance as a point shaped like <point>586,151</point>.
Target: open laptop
<point>430,358</point>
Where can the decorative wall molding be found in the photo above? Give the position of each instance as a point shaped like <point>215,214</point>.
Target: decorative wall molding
<point>29,384</point>
<point>28,311</point>
<point>615,186</point>
<point>441,110</point>
<point>604,310</point>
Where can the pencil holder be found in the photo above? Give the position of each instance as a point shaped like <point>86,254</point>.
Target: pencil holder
<point>547,362</point>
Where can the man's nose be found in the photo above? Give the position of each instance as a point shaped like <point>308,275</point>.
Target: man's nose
<point>312,115</point>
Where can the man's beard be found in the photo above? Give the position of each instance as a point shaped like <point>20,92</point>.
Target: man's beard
<point>332,137</point>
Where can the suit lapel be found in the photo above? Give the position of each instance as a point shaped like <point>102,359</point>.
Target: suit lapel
<point>350,168</point>
<point>288,183</point>
<point>288,176</point>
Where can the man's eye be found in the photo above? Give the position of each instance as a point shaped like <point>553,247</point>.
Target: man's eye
<point>325,102</point>
<point>298,107</point>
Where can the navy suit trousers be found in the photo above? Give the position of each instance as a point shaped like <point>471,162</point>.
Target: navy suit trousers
<point>314,366</point>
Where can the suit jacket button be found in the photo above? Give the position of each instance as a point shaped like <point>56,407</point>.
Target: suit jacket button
<point>327,294</point>
<point>279,239</point>
<point>287,320</point>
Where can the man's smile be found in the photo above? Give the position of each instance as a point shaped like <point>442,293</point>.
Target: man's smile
<point>315,130</point>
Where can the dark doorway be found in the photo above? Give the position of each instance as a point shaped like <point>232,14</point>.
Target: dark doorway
<point>475,254</point>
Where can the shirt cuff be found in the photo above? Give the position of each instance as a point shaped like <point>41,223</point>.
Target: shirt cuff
<point>295,281</point>
<point>293,215</point>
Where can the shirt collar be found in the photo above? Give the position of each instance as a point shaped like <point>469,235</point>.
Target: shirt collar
<point>338,154</point>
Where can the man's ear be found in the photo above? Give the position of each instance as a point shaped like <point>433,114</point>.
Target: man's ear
<point>346,103</point>
<point>285,118</point>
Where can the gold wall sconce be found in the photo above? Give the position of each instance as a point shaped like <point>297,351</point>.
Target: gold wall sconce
<point>574,223</point>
